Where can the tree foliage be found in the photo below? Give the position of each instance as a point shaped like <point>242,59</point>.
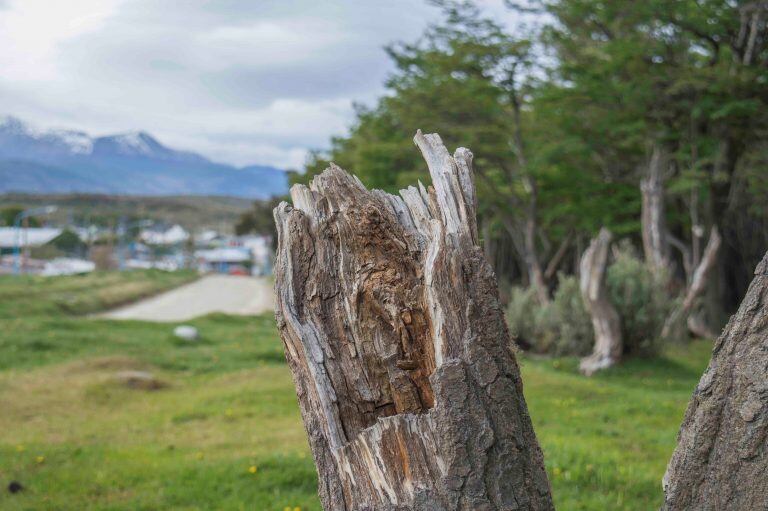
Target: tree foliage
<point>563,118</point>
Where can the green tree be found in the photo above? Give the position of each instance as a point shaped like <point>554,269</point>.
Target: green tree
<point>259,220</point>
<point>8,216</point>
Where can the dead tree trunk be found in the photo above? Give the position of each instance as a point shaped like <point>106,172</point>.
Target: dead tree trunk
<point>721,458</point>
<point>695,289</point>
<point>562,250</point>
<point>605,319</point>
<point>653,219</point>
<point>389,313</point>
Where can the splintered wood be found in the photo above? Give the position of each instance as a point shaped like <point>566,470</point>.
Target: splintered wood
<point>389,313</point>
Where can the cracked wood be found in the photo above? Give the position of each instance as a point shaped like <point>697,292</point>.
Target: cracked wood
<point>409,390</point>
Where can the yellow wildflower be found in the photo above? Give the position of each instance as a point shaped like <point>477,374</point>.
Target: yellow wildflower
<point>40,459</point>
<point>252,469</point>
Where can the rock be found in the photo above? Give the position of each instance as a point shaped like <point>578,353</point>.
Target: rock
<point>186,332</point>
<point>141,380</point>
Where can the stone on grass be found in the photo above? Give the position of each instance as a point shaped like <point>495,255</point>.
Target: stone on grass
<point>186,332</point>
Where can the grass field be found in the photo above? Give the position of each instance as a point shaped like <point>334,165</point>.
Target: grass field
<point>224,432</point>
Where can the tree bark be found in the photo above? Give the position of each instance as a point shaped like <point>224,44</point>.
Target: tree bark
<point>695,288</point>
<point>653,219</point>
<point>562,250</point>
<point>526,248</point>
<point>605,319</point>
<point>721,458</point>
<point>409,390</point>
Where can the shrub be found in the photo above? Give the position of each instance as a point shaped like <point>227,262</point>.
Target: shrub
<point>563,327</point>
<point>641,299</point>
<point>559,328</point>
<point>521,311</point>
<point>574,326</point>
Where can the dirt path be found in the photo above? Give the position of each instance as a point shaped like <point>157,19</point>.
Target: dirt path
<point>213,293</point>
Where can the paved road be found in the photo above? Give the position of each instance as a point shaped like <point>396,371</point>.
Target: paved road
<point>212,293</point>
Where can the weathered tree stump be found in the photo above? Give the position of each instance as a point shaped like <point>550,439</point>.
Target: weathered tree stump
<point>389,313</point>
<point>721,459</point>
<point>605,320</point>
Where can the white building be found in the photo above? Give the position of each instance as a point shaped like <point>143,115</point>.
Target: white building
<point>30,237</point>
<point>172,236</point>
<point>67,266</point>
<point>260,248</point>
<point>224,260</point>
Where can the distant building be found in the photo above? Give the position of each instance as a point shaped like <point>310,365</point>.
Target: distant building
<point>206,237</point>
<point>67,266</point>
<point>42,242</point>
<point>171,236</point>
<point>225,260</point>
<point>30,237</point>
<point>261,252</point>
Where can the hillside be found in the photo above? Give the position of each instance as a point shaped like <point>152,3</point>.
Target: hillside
<point>135,163</point>
<point>191,212</point>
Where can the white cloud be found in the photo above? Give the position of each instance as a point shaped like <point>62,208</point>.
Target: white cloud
<point>268,43</point>
<point>241,81</point>
<point>31,32</point>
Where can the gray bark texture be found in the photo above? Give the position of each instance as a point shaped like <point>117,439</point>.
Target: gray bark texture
<point>694,290</point>
<point>407,383</point>
<point>605,319</point>
<point>653,219</point>
<point>721,459</point>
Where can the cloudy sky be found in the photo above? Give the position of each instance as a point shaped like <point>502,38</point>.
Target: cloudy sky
<point>240,81</point>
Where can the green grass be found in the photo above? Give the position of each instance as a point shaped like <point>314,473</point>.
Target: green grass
<point>229,405</point>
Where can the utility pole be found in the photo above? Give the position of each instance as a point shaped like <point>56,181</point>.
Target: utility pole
<point>23,218</point>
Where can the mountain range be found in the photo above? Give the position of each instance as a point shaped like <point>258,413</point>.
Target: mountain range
<point>135,163</point>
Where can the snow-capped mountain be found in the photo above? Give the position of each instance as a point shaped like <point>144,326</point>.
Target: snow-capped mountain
<point>75,142</point>
<point>135,163</point>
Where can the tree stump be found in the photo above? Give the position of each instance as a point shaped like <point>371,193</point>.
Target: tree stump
<point>605,320</point>
<point>408,387</point>
<point>721,459</point>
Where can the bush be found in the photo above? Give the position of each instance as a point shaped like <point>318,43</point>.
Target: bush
<point>559,328</point>
<point>521,312</point>
<point>563,327</point>
<point>641,299</point>
<point>574,326</point>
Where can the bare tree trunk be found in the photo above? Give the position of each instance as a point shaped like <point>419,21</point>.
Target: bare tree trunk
<point>402,361</point>
<point>526,248</point>
<point>699,327</point>
<point>653,219</point>
<point>721,460</point>
<point>535,273</point>
<point>696,287</point>
<point>554,263</point>
<point>531,254</point>
<point>605,319</point>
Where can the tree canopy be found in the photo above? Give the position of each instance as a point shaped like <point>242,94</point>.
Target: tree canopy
<point>563,120</point>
